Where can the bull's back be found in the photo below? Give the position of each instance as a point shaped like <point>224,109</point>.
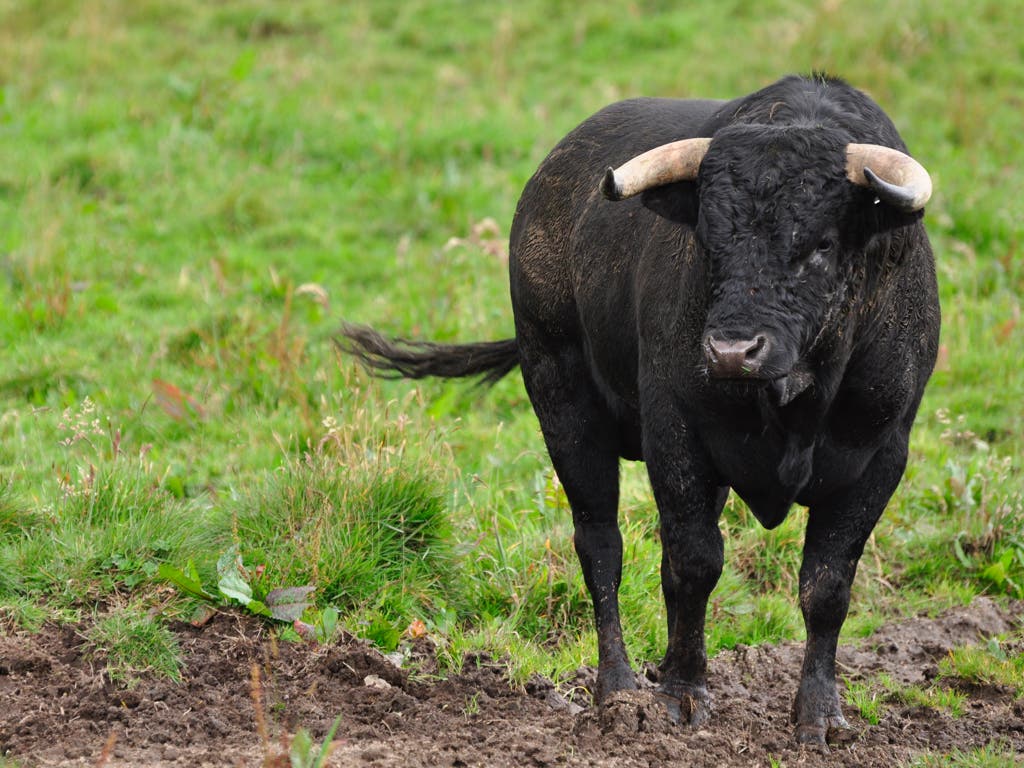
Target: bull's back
<point>558,225</point>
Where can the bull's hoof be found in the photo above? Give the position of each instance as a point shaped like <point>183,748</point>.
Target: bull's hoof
<point>686,704</point>
<point>818,715</point>
<point>824,731</point>
<point>617,678</point>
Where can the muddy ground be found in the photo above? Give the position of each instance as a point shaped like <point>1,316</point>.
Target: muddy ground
<point>57,706</point>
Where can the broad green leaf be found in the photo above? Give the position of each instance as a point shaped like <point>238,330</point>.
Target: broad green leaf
<point>288,603</point>
<point>958,550</point>
<point>232,585</point>
<point>230,561</point>
<point>187,580</point>
<point>996,573</point>
<point>259,608</point>
<point>327,624</point>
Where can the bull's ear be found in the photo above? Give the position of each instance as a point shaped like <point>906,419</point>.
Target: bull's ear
<point>879,217</point>
<point>676,202</point>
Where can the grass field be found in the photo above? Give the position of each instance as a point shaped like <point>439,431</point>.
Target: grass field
<point>194,195</point>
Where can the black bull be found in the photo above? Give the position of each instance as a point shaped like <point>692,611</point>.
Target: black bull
<point>746,301</point>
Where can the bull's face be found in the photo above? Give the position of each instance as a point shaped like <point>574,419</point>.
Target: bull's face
<point>772,221</point>
<point>778,219</point>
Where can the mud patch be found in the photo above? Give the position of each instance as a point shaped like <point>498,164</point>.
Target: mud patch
<point>61,709</point>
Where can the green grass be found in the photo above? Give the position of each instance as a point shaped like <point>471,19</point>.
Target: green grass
<point>861,695</point>
<point>304,753</point>
<point>193,196</point>
<point>994,755</point>
<point>931,696</point>
<point>872,697</point>
<point>998,663</point>
<point>377,539</point>
<point>130,643</point>
<point>989,664</point>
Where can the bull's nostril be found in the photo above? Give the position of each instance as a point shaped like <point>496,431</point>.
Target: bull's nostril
<point>710,350</point>
<point>758,347</point>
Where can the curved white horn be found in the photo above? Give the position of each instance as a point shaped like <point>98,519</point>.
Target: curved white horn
<point>897,178</point>
<point>678,161</point>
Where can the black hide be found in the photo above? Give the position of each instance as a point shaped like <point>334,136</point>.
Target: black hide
<point>638,321</point>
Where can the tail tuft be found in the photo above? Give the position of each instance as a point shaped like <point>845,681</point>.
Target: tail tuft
<point>399,358</point>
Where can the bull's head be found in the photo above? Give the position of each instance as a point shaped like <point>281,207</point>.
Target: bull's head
<point>774,215</point>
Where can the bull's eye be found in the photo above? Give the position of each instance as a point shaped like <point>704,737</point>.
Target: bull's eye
<point>820,256</point>
<point>825,246</point>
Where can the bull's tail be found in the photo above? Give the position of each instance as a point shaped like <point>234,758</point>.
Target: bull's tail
<point>398,358</point>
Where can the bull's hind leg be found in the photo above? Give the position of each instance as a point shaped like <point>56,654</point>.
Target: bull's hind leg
<point>582,440</point>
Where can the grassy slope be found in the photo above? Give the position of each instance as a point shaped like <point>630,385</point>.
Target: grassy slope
<point>193,195</point>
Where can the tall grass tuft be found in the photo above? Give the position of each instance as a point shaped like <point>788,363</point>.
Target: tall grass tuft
<point>132,643</point>
<point>367,526</point>
<point>360,536</point>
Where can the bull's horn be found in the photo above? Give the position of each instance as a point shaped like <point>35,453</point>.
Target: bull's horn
<point>678,161</point>
<point>897,178</point>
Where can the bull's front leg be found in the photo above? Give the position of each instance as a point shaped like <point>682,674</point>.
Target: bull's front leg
<point>837,530</point>
<point>689,503</point>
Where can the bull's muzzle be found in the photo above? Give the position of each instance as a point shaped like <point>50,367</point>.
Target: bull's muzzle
<point>736,358</point>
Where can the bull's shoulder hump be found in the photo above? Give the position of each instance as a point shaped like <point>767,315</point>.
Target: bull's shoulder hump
<point>649,119</point>
<point>625,129</point>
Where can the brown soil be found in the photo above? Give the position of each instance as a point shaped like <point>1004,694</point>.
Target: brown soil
<point>59,708</point>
